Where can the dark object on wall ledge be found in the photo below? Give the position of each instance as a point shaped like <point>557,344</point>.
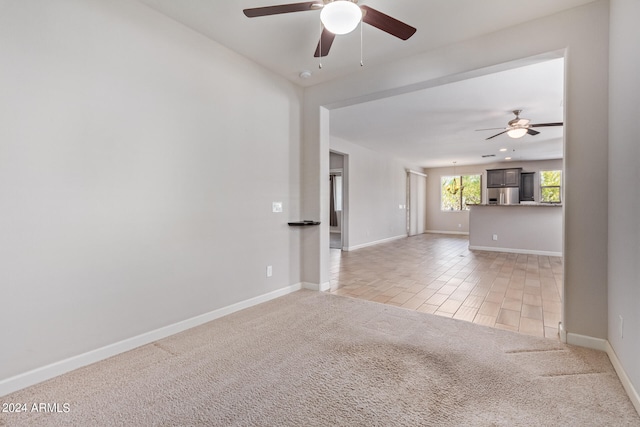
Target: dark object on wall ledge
<point>303,223</point>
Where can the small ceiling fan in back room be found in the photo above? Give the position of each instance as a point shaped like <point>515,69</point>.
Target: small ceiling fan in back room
<point>338,17</point>
<point>519,127</point>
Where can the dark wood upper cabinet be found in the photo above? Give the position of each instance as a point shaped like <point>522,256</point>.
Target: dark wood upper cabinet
<point>512,178</point>
<point>527,186</point>
<point>497,178</point>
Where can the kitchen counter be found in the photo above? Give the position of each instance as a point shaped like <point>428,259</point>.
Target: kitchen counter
<point>523,228</point>
<point>542,205</point>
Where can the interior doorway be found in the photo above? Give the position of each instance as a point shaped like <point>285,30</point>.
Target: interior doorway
<point>345,119</point>
<point>337,205</point>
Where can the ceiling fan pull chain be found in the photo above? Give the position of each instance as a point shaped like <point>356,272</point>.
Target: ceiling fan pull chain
<point>320,47</point>
<point>361,60</point>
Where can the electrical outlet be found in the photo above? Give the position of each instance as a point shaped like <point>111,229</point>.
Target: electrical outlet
<point>459,225</point>
<point>269,270</point>
<point>495,237</point>
<point>621,327</point>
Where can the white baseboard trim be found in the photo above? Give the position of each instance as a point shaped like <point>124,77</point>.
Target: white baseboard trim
<point>586,341</point>
<point>377,242</point>
<point>459,233</point>
<point>562,332</point>
<point>55,369</point>
<point>317,287</point>
<point>624,378</point>
<point>604,345</point>
<point>515,251</point>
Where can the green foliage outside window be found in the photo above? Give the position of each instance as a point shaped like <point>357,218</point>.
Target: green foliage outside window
<point>550,185</point>
<point>457,192</point>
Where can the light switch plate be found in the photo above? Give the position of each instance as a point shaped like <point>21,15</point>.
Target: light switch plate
<point>277,207</point>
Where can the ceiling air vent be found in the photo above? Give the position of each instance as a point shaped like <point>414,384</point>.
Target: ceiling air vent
<point>488,155</point>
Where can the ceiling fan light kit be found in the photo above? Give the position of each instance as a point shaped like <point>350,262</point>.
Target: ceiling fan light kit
<point>341,16</point>
<point>518,127</point>
<point>338,17</point>
<point>518,132</point>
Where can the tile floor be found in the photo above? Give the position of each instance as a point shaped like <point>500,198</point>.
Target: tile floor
<point>335,240</point>
<point>438,274</point>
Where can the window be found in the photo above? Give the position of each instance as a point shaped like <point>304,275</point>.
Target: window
<point>457,192</point>
<point>550,186</point>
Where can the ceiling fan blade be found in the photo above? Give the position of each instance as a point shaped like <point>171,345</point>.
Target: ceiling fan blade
<point>326,40</point>
<point>539,125</point>
<point>386,23</point>
<point>497,134</point>
<point>281,8</point>
<point>532,132</point>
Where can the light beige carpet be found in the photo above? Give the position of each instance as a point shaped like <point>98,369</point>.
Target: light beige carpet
<point>312,359</point>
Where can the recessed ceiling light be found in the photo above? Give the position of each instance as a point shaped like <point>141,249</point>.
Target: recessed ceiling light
<point>503,149</point>
<point>507,158</point>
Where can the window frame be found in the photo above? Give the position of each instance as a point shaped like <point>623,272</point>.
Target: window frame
<point>559,187</point>
<point>462,207</point>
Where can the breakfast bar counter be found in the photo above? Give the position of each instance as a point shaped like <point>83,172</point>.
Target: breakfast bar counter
<point>530,228</point>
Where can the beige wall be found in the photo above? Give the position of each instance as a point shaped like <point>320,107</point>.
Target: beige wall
<point>376,188</point>
<point>624,188</point>
<point>518,229</point>
<point>139,162</point>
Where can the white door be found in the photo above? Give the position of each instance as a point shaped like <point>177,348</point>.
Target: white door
<point>416,202</point>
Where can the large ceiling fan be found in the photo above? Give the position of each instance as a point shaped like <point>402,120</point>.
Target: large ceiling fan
<point>338,17</point>
<point>519,127</point>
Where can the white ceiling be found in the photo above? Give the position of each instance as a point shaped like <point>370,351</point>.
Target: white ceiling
<point>437,126</point>
<point>432,127</point>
